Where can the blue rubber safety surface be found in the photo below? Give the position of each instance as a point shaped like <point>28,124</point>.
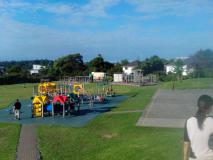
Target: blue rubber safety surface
<point>77,119</point>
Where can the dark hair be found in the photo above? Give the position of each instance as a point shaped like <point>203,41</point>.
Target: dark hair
<point>204,104</point>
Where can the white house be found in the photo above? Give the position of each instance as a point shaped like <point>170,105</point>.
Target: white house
<point>171,69</point>
<point>129,68</point>
<point>98,76</point>
<point>36,68</point>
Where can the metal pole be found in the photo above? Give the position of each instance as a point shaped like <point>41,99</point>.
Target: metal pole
<point>53,110</point>
<point>42,110</point>
<point>63,110</point>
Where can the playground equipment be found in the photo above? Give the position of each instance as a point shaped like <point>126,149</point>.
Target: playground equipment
<point>39,106</point>
<point>61,104</point>
<point>46,88</point>
<point>109,91</point>
<point>61,98</point>
<point>78,89</point>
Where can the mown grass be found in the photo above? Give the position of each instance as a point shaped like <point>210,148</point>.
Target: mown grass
<point>110,137</point>
<point>9,93</point>
<point>9,135</point>
<point>190,84</point>
<point>139,97</point>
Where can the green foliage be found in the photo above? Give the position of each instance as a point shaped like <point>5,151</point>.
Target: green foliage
<point>202,62</point>
<point>70,65</point>
<point>151,65</point>
<point>98,64</point>
<point>124,62</point>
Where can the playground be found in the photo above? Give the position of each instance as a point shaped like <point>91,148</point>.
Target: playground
<point>108,136</point>
<point>77,119</point>
<point>66,102</point>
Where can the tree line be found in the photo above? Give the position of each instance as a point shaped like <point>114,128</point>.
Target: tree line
<point>74,65</point>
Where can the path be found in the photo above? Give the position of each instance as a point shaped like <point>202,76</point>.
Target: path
<point>27,147</point>
<point>171,108</point>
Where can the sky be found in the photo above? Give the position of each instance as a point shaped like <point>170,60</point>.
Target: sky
<point>117,29</point>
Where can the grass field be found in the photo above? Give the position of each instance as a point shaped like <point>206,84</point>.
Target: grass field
<point>9,134</point>
<point>108,136</point>
<point>190,84</point>
<point>9,93</point>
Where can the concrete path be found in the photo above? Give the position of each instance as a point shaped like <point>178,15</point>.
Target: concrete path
<point>171,108</point>
<point>27,147</point>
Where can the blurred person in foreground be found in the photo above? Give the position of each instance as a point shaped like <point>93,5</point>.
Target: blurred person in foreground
<point>198,132</point>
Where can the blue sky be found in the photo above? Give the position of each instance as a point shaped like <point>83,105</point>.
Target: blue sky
<point>117,29</point>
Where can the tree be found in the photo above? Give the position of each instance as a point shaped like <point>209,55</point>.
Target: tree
<point>96,64</point>
<point>202,62</point>
<point>153,64</point>
<point>70,65</point>
<point>178,68</point>
<point>124,62</point>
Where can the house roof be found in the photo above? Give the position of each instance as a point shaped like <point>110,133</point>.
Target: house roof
<point>132,64</point>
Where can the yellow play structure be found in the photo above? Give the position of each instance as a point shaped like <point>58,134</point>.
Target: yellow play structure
<point>46,88</point>
<point>78,89</point>
<point>38,106</point>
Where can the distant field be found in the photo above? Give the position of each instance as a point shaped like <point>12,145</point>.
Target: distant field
<point>9,93</point>
<point>9,134</point>
<point>190,84</point>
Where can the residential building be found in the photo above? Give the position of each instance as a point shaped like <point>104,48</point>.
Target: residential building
<point>36,68</point>
<point>129,68</point>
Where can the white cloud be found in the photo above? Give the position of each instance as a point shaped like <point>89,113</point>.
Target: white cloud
<point>98,7</point>
<point>174,7</point>
<point>95,8</point>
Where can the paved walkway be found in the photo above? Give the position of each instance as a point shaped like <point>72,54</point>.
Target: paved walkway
<point>27,147</point>
<point>171,108</point>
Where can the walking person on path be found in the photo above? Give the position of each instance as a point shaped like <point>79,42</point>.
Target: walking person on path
<point>17,107</point>
<point>198,132</point>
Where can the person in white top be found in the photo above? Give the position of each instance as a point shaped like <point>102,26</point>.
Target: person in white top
<point>198,132</point>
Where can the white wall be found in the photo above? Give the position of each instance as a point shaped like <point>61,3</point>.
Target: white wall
<point>98,75</point>
<point>118,77</point>
<point>171,68</point>
<point>37,67</point>
<point>128,70</point>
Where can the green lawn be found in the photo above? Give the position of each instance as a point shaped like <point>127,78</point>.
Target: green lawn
<point>9,93</point>
<point>9,134</point>
<point>110,137</point>
<point>139,97</point>
<point>190,84</point>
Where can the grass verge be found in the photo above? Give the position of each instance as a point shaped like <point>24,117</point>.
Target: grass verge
<point>9,135</point>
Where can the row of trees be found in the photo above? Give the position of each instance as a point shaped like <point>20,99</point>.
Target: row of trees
<point>73,65</point>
